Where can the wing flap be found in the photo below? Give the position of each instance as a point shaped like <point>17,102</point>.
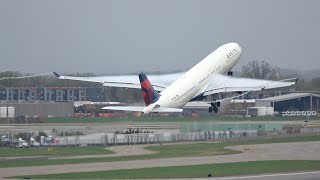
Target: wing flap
<point>221,83</point>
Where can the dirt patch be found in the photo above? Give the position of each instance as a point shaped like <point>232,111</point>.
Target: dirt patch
<point>130,150</point>
<point>127,150</point>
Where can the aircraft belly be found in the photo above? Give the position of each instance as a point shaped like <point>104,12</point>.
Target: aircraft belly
<point>194,82</point>
<point>187,96</point>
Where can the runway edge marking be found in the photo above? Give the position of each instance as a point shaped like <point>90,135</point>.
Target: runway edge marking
<point>268,175</point>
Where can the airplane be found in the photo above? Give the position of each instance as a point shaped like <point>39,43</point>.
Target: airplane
<point>170,92</point>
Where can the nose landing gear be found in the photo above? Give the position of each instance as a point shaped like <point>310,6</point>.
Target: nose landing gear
<point>230,73</point>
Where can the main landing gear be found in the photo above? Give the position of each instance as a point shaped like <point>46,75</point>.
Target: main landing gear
<point>214,107</point>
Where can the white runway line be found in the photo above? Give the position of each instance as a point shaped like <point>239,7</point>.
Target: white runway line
<point>267,175</point>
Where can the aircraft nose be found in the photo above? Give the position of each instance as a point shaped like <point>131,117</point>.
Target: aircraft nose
<point>239,48</point>
<point>235,45</point>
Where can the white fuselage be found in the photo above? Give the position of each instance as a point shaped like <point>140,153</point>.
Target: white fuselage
<point>195,81</point>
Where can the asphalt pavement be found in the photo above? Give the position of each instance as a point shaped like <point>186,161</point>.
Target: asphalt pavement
<point>277,151</point>
<point>315,175</point>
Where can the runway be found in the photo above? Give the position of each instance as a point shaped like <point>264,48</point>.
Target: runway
<point>315,175</point>
<point>277,151</point>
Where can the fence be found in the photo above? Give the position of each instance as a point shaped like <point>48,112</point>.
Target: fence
<point>299,113</point>
<point>150,138</point>
<point>142,138</point>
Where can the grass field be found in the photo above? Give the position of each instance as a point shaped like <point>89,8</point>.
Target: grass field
<point>173,119</point>
<point>43,151</point>
<point>192,171</point>
<point>164,151</point>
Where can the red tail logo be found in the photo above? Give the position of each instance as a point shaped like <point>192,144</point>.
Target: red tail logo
<point>149,94</point>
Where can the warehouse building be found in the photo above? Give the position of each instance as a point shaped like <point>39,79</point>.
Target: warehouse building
<point>291,102</point>
<point>299,103</point>
<point>40,109</point>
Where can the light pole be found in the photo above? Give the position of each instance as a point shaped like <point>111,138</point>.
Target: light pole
<point>317,106</point>
<point>235,107</point>
<point>8,123</point>
<point>249,126</point>
<point>11,115</point>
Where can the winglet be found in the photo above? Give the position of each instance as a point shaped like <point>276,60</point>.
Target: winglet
<point>56,74</point>
<point>290,80</point>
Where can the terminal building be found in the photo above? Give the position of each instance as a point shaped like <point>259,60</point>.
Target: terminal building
<point>46,102</point>
<point>93,94</point>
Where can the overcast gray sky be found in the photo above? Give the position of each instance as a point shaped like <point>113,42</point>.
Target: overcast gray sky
<point>133,36</point>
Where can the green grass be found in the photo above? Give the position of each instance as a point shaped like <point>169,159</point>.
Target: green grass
<point>43,151</point>
<point>182,150</point>
<point>172,119</point>
<point>192,171</point>
<point>164,151</point>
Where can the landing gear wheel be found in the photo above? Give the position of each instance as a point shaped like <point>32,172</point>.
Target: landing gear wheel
<point>218,104</point>
<point>215,108</point>
<point>230,73</point>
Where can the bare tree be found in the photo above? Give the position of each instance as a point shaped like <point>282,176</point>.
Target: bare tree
<point>260,70</point>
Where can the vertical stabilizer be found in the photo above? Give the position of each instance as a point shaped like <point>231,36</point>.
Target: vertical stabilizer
<point>149,94</point>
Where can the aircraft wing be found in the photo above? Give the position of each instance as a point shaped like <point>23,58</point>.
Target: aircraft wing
<point>221,83</point>
<point>140,109</point>
<point>159,82</point>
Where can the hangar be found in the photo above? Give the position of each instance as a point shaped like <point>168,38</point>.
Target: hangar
<point>291,102</point>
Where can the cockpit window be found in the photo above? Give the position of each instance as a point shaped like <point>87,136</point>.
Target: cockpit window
<point>232,53</point>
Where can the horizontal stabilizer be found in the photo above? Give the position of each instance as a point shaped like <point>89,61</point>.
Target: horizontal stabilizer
<point>140,109</point>
<point>124,108</point>
<point>167,110</point>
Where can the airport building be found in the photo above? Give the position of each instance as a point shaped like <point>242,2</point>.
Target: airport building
<point>292,102</point>
<point>94,94</point>
<point>299,103</point>
<point>37,109</point>
<point>253,103</point>
<point>46,102</point>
